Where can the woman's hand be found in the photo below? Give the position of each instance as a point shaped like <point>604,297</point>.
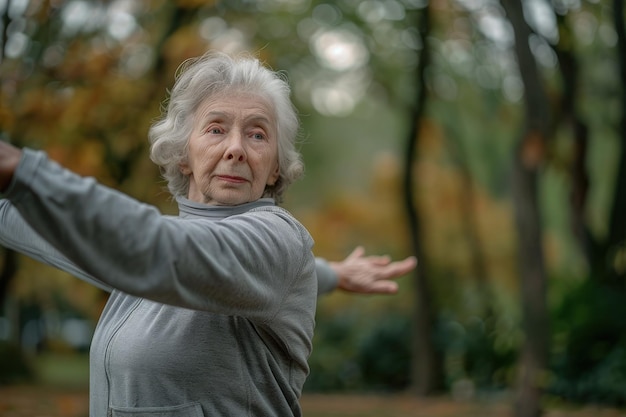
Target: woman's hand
<point>9,159</point>
<point>370,274</point>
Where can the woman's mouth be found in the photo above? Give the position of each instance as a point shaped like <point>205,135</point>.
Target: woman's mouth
<point>232,178</point>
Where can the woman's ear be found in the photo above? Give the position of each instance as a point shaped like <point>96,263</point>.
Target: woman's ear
<point>184,168</point>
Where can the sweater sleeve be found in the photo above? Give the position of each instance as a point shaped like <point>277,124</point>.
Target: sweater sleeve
<point>326,277</point>
<point>17,235</point>
<point>241,265</point>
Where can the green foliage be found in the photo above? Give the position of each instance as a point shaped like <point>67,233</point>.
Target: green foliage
<point>385,354</point>
<point>333,361</point>
<point>14,366</point>
<point>355,352</point>
<point>481,350</point>
<point>589,358</point>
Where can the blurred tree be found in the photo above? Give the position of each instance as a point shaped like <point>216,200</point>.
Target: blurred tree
<point>7,272</point>
<point>569,115</point>
<point>616,240</point>
<point>427,367</point>
<point>528,160</point>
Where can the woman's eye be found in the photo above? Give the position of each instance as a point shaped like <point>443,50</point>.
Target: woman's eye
<point>258,136</point>
<point>214,130</point>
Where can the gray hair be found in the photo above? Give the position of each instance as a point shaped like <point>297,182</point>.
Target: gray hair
<point>208,76</point>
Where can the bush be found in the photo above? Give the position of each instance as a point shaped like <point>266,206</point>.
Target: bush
<point>589,358</point>
<point>14,367</point>
<point>384,354</point>
<point>374,353</point>
<point>357,353</point>
<point>333,361</point>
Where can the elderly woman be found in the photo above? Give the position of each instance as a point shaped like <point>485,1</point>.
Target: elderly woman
<point>210,313</point>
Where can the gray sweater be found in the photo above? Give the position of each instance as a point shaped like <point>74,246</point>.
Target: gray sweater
<point>211,313</point>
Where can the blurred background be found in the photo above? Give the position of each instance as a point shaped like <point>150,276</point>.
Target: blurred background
<point>486,137</point>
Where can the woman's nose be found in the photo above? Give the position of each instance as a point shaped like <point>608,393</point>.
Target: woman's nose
<point>235,148</point>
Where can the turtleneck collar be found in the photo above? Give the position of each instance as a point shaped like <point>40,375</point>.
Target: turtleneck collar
<point>192,209</point>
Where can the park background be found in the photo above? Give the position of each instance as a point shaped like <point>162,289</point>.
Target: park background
<point>486,137</point>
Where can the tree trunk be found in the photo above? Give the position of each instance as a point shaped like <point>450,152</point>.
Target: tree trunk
<point>427,369</point>
<point>9,261</point>
<point>534,354</point>
<point>527,161</point>
<point>569,70</point>
<point>9,268</point>
<point>5,30</point>
<point>617,225</point>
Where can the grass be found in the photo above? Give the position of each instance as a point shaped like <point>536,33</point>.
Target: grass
<point>62,370</point>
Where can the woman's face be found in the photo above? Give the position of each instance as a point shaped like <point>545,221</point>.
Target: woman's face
<point>233,150</point>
